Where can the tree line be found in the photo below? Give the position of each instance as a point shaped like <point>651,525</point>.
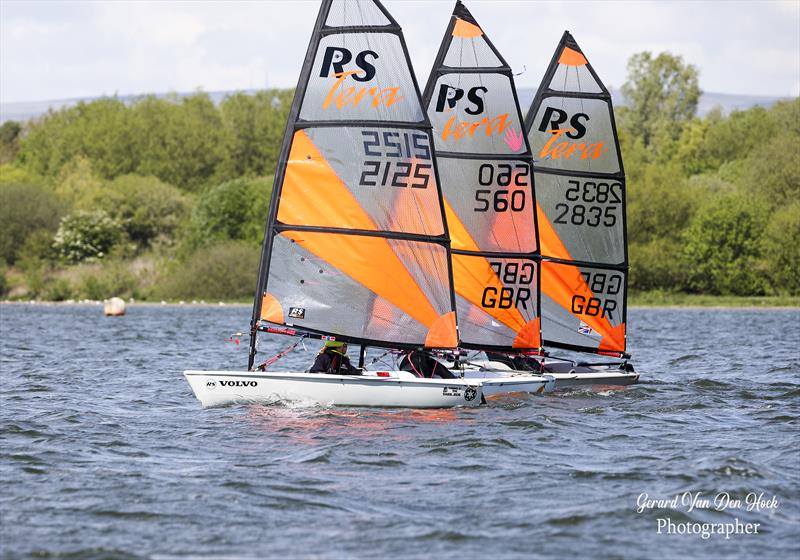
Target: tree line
<point>167,197</point>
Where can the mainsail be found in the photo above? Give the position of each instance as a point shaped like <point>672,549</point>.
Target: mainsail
<point>356,245</point>
<point>580,186</point>
<point>485,168</point>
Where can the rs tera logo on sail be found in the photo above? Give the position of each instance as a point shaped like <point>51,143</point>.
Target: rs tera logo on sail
<point>450,96</point>
<point>552,120</point>
<point>336,58</point>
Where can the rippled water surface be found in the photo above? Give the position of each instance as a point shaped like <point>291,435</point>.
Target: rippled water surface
<point>104,452</point>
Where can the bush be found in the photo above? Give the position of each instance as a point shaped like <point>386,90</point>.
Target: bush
<point>3,279</point>
<point>657,265</point>
<point>222,271</point>
<point>25,209</point>
<point>113,278</point>
<point>59,289</point>
<point>236,210</point>
<point>86,235</point>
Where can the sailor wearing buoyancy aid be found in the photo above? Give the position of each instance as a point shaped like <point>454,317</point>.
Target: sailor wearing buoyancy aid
<point>333,359</point>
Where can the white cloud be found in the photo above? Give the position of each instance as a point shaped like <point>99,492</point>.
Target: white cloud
<point>71,49</point>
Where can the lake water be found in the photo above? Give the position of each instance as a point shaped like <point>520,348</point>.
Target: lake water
<point>105,453</point>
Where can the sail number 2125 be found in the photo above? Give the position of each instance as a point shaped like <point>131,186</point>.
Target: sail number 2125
<point>395,149</point>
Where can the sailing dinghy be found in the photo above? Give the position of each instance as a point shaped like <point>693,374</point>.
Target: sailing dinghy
<point>486,171</point>
<point>580,187</point>
<point>356,246</point>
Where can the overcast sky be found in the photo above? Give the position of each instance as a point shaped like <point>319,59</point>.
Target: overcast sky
<point>64,49</point>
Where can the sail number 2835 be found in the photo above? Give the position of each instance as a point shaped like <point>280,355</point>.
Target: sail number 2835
<point>403,156</point>
<point>590,203</point>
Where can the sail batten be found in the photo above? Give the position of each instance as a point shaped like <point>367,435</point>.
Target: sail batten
<point>485,169</point>
<point>356,244</point>
<point>580,183</point>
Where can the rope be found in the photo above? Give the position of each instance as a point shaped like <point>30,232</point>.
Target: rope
<point>265,364</point>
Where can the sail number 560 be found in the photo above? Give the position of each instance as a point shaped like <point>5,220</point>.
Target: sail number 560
<point>502,175</point>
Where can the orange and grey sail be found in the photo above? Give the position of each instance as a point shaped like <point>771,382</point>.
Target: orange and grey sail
<point>580,187</point>
<point>356,245</point>
<point>485,169</point>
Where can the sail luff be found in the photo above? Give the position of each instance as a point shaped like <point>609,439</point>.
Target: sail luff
<point>280,170</point>
<point>582,215</point>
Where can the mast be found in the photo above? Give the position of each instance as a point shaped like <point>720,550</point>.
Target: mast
<point>356,245</point>
<point>580,184</point>
<point>485,166</point>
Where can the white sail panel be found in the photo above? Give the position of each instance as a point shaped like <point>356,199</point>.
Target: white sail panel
<point>361,77</point>
<point>476,113</point>
<point>356,13</point>
<point>377,289</point>
<point>583,307</point>
<point>574,134</point>
<point>492,201</point>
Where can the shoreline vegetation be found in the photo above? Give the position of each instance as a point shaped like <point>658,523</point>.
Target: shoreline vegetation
<point>166,198</point>
<point>635,301</point>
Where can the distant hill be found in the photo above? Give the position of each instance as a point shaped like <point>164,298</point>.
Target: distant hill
<point>729,102</point>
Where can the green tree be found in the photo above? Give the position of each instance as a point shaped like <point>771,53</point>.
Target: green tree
<point>661,95</point>
<point>149,210</point>
<point>9,141</point>
<point>234,210</point>
<point>24,210</point>
<point>256,124</point>
<point>781,250</point>
<point>722,246</point>
<point>180,141</point>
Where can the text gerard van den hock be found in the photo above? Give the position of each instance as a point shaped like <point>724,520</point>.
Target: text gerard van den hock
<point>722,501</point>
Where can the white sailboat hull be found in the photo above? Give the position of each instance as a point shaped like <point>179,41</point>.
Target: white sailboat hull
<point>401,389</point>
<point>600,378</point>
<point>219,388</point>
<point>582,376</point>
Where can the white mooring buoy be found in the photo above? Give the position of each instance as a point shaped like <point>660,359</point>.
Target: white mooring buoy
<point>114,307</point>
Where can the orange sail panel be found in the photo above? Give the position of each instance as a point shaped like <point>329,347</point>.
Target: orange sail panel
<point>313,194</point>
<point>372,262</point>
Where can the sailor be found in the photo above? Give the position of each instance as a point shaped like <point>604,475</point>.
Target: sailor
<point>333,359</point>
<point>422,364</point>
